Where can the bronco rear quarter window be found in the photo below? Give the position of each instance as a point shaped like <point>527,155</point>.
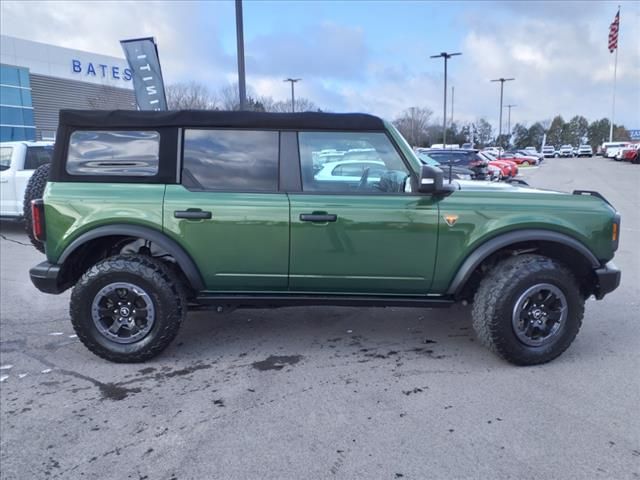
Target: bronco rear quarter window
<point>126,153</point>
<point>231,160</point>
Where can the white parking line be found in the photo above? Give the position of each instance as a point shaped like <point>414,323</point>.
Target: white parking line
<point>6,367</point>
<point>3,378</point>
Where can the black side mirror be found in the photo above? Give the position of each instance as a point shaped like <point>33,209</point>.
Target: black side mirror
<point>431,179</point>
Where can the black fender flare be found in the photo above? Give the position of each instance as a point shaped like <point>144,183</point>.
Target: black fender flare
<point>182,258</point>
<point>494,244</point>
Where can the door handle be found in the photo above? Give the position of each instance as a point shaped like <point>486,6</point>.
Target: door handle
<point>318,217</point>
<point>192,214</point>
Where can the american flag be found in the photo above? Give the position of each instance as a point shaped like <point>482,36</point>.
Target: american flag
<point>613,33</point>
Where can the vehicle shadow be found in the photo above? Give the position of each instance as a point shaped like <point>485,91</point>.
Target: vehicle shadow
<point>12,226</point>
<point>338,331</point>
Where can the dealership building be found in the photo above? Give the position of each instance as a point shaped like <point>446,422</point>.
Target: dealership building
<point>38,79</point>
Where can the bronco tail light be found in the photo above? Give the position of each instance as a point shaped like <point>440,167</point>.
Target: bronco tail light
<point>37,217</point>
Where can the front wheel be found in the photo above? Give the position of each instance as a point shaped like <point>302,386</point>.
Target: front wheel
<point>528,309</point>
<point>128,308</point>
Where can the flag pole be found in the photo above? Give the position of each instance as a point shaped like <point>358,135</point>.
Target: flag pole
<point>615,74</point>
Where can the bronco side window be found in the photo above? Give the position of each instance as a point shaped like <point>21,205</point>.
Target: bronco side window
<point>118,153</point>
<point>230,160</point>
<point>360,162</point>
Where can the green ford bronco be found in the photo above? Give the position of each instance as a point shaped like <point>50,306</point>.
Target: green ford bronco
<point>149,214</point>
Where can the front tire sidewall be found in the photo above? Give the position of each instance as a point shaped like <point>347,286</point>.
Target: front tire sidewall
<point>521,353</point>
<point>498,294</point>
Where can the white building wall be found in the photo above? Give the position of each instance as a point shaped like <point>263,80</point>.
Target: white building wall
<point>66,63</point>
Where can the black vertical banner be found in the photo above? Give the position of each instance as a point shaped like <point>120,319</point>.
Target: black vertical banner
<point>142,55</point>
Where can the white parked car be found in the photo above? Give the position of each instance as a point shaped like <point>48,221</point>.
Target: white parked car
<point>493,150</point>
<point>610,149</point>
<point>549,151</point>
<point>585,151</point>
<point>18,160</point>
<point>566,151</point>
<point>440,146</point>
<point>350,170</point>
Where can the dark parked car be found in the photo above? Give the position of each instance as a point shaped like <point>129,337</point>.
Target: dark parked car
<point>462,158</point>
<point>450,172</point>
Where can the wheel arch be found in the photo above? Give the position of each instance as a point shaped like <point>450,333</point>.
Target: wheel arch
<point>106,234</point>
<point>554,244</point>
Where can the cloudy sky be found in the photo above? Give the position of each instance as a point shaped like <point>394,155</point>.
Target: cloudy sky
<point>374,56</point>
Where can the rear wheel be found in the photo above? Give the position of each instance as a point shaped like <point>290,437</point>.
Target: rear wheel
<point>128,308</point>
<point>34,190</point>
<point>528,309</point>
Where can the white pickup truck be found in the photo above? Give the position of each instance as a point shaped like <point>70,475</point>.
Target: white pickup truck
<point>18,160</point>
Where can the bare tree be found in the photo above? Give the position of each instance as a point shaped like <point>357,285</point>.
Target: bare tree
<point>546,123</point>
<point>302,105</point>
<point>413,124</point>
<point>190,96</point>
<point>230,97</point>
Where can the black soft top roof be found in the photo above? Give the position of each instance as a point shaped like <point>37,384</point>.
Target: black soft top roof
<point>224,119</point>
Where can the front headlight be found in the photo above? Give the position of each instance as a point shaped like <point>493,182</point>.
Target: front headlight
<point>464,176</point>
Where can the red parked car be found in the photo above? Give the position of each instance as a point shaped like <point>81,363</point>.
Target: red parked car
<point>631,154</point>
<point>519,159</point>
<point>508,168</point>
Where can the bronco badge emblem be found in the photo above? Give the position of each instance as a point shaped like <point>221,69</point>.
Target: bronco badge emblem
<point>450,219</point>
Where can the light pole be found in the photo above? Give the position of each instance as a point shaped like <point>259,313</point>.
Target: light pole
<point>293,97</point>
<point>510,106</point>
<point>501,80</point>
<point>446,57</point>
<point>240,39</point>
<point>453,92</point>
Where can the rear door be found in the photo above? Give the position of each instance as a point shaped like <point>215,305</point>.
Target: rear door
<point>370,235</point>
<point>7,183</point>
<point>228,213</point>
<point>35,156</point>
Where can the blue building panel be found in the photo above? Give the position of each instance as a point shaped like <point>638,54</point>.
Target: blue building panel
<point>16,110</point>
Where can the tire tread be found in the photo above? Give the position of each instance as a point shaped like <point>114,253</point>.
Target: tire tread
<point>153,271</point>
<point>486,311</point>
<point>34,190</point>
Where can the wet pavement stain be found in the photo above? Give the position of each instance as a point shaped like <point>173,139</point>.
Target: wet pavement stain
<point>276,362</point>
<point>415,390</point>
<point>182,371</point>
<point>12,346</point>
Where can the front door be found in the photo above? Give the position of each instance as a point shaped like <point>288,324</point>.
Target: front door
<point>228,213</point>
<point>358,229</point>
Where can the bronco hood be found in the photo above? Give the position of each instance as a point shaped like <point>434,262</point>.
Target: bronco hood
<point>479,186</point>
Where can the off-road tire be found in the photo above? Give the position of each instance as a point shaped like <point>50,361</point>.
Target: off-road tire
<point>34,190</point>
<point>155,278</point>
<point>496,298</point>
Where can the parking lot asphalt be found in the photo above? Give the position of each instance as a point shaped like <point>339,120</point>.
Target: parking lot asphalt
<point>326,392</point>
